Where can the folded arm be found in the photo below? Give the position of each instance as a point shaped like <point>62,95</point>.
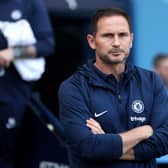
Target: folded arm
<point>74,111</point>
<point>129,138</point>
<point>157,144</point>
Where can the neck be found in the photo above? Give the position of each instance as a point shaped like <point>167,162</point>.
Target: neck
<point>115,69</point>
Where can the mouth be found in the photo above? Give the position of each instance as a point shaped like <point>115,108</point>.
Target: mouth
<point>116,54</point>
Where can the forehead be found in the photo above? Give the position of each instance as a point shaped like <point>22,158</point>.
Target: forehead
<point>112,23</point>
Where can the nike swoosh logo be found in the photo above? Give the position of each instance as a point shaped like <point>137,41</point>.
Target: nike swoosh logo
<point>100,114</point>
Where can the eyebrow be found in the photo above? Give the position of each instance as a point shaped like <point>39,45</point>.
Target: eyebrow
<point>111,34</point>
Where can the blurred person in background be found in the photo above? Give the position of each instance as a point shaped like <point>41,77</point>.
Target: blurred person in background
<point>26,37</point>
<point>160,65</point>
<point>115,114</point>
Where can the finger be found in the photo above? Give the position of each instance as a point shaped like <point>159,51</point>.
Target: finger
<point>91,126</point>
<point>91,119</point>
<point>94,123</point>
<point>94,130</point>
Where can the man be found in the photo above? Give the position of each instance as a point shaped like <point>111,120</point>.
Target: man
<point>114,113</point>
<point>160,64</point>
<point>25,38</point>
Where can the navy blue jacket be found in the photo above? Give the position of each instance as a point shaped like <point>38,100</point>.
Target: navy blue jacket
<point>139,98</point>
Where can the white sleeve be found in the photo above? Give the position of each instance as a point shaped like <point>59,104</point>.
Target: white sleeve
<point>18,33</point>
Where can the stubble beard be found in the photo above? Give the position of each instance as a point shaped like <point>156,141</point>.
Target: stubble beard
<point>106,60</point>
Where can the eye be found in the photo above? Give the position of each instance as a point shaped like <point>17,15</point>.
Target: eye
<point>124,34</point>
<point>108,35</point>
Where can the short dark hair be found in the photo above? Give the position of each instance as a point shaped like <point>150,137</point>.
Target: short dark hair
<point>107,12</point>
<point>158,59</point>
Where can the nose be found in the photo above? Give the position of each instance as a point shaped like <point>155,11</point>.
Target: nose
<point>116,42</point>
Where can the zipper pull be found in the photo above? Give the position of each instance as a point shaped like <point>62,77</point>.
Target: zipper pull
<point>119,98</point>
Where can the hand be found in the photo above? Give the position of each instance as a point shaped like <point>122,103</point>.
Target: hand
<point>6,57</point>
<point>146,131</point>
<point>128,155</point>
<point>94,126</point>
<point>134,136</point>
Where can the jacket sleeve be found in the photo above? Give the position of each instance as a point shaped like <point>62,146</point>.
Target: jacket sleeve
<point>39,20</point>
<point>156,145</point>
<point>74,111</point>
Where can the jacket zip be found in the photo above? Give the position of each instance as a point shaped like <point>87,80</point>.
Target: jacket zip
<point>119,98</point>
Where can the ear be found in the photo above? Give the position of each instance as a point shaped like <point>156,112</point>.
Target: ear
<point>91,41</point>
<point>131,45</point>
<point>132,37</point>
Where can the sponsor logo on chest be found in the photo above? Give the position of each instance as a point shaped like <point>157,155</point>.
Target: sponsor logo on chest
<point>138,108</point>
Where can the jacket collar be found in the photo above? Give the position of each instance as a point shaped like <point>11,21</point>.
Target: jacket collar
<point>98,78</point>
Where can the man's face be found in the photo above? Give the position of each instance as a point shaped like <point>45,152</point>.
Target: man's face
<point>112,41</point>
